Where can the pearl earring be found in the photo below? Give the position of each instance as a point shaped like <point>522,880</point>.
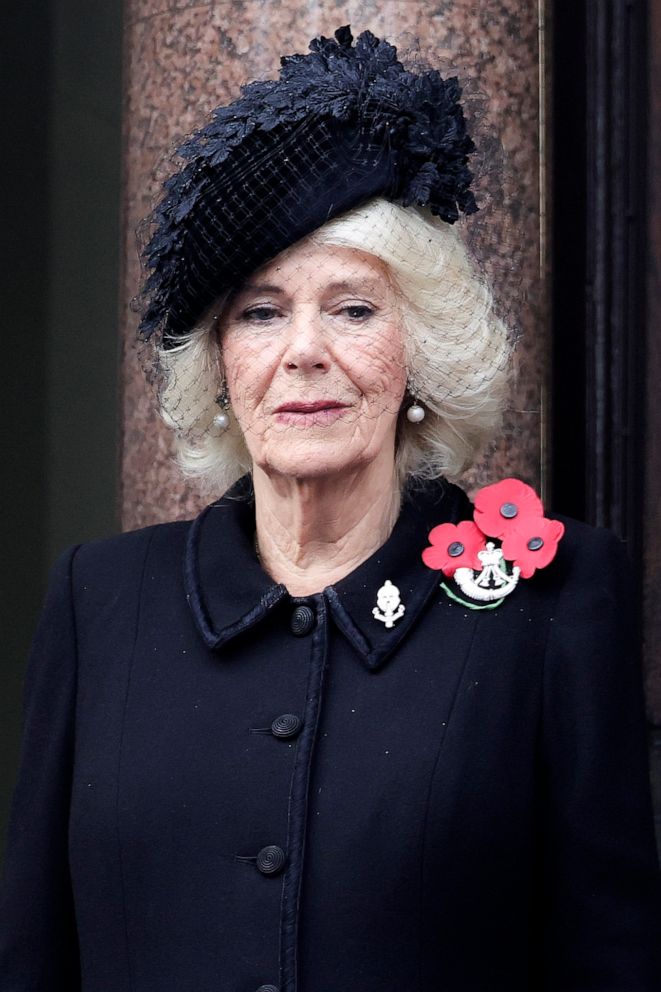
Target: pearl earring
<point>222,419</point>
<point>415,413</point>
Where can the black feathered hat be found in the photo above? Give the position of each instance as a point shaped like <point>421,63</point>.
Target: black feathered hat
<point>341,125</point>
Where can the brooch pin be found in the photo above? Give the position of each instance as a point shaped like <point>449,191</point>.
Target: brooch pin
<point>509,538</point>
<point>389,606</point>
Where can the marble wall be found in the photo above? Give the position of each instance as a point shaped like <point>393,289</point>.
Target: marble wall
<point>184,58</point>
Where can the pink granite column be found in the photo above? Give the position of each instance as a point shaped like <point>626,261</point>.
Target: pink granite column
<point>182,59</point>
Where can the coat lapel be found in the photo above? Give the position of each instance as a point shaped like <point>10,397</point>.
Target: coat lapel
<point>228,591</point>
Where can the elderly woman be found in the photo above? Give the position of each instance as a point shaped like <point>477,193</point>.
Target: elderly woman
<point>344,732</point>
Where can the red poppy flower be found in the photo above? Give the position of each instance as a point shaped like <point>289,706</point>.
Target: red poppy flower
<point>500,508</point>
<point>532,544</point>
<point>454,546</point>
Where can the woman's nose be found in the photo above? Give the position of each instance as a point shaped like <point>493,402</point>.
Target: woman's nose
<point>305,346</point>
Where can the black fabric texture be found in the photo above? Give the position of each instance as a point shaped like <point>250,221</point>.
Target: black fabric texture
<point>466,807</point>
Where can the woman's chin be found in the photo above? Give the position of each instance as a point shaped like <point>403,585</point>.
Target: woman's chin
<point>309,470</point>
<point>312,461</point>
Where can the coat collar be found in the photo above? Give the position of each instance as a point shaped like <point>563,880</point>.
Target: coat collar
<point>228,591</point>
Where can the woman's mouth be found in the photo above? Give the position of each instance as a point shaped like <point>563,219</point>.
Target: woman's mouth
<point>310,413</point>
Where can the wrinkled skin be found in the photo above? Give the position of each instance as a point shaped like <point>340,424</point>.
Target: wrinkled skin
<point>314,355</point>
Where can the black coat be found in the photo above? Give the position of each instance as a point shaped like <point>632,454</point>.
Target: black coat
<point>461,805</point>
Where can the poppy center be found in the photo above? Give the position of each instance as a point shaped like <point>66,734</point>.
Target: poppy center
<point>509,510</point>
<point>455,549</point>
<point>535,543</point>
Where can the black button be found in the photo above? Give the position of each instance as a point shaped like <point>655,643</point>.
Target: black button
<point>268,988</point>
<point>271,860</point>
<point>455,549</point>
<point>535,543</point>
<point>302,621</point>
<point>509,510</point>
<point>287,725</point>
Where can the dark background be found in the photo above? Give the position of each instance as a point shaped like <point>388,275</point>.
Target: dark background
<point>60,71</point>
<point>61,66</point>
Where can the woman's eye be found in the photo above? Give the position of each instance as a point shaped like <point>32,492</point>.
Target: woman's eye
<point>359,311</point>
<point>260,314</point>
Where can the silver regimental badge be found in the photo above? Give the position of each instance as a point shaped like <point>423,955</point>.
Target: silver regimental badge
<point>493,582</point>
<point>389,608</point>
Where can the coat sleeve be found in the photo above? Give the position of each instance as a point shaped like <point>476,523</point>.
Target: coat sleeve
<point>38,942</point>
<point>602,913</point>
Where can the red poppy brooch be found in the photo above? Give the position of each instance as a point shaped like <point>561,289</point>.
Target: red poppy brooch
<point>508,538</point>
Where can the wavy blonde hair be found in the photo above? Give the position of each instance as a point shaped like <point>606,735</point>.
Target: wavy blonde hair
<point>457,352</point>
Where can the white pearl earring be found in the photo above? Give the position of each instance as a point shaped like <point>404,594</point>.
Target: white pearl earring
<point>222,420</point>
<point>415,413</point>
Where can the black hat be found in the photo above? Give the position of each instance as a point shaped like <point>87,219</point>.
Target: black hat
<point>341,125</point>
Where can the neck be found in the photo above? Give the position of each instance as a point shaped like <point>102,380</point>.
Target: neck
<point>313,532</point>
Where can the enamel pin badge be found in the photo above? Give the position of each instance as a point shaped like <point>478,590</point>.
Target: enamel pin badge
<point>389,608</point>
<point>508,539</point>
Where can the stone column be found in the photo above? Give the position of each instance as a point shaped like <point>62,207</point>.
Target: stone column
<point>182,60</point>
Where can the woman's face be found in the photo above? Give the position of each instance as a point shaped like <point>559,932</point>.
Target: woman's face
<point>313,352</point>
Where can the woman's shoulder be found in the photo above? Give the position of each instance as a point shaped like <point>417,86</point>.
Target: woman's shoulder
<point>105,564</point>
<point>590,584</point>
<point>128,544</point>
<point>586,549</point>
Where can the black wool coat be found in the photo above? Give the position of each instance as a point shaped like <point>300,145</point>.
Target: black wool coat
<point>224,788</point>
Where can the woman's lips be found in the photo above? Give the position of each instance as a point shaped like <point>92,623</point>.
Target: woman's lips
<point>308,414</point>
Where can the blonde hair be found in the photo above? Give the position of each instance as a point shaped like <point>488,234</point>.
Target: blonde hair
<point>457,353</point>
